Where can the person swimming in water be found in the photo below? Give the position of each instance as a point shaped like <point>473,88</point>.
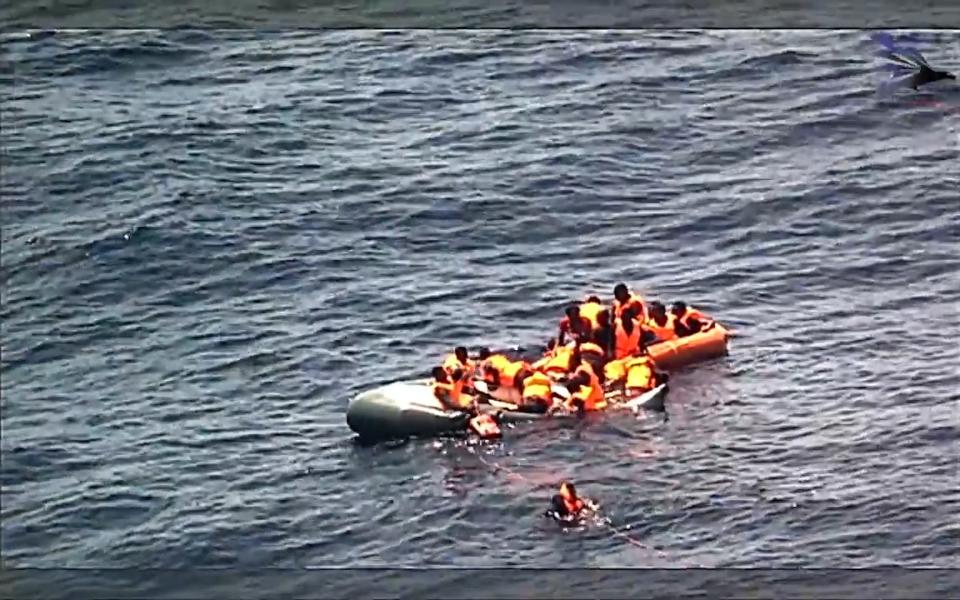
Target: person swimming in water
<point>568,507</point>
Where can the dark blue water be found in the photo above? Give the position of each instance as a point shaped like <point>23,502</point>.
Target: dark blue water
<point>211,242</point>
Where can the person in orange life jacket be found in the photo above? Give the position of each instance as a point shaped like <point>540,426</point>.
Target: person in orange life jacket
<point>590,310</point>
<point>448,389</point>
<point>623,299</point>
<point>615,371</point>
<point>558,365</point>
<point>460,360</point>
<point>586,391</point>
<point>689,320</point>
<point>501,371</point>
<point>586,362</point>
<point>548,353</point>
<point>536,391</point>
<point>573,324</point>
<point>593,354</point>
<point>627,335</point>
<point>567,506</point>
<point>491,365</point>
<point>660,324</point>
<point>641,376</point>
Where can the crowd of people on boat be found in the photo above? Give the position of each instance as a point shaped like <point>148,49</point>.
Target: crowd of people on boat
<point>597,349</point>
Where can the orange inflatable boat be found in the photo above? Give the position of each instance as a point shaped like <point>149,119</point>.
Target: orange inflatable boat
<point>681,352</point>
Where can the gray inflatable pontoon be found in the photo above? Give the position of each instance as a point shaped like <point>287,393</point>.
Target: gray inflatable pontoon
<point>408,409</point>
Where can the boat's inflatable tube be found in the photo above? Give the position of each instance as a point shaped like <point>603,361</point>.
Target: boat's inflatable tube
<point>400,410</point>
<point>652,400</point>
<point>681,352</point>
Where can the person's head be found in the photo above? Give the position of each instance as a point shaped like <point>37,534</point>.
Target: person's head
<point>621,293</point>
<point>573,312</point>
<point>439,374</point>
<point>572,385</point>
<point>657,309</point>
<point>593,299</point>
<point>457,374</point>
<point>461,353</point>
<point>484,353</point>
<point>678,309</point>
<point>551,344</point>
<point>603,318</point>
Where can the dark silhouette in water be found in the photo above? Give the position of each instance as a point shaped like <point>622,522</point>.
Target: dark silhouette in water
<point>907,66</point>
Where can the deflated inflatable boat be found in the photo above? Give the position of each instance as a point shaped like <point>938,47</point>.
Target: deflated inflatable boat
<point>409,409</point>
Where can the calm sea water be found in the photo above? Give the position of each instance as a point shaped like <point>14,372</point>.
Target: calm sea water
<point>212,241</point>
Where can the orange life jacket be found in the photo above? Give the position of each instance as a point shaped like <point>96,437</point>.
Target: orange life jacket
<point>573,504</point>
<point>451,394</point>
<point>451,363</point>
<point>589,311</point>
<point>496,362</point>
<point>559,363</point>
<point>624,345</point>
<point>615,370</point>
<point>537,387</point>
<point>663,332</point>
<point>542,362</point>
<point>508,374</point>
<point>594,399</point>
<point>635,302</point>
<point>485,426</point>
<point>693,313</point>
<point>591,348</point>
<point>640,373</point>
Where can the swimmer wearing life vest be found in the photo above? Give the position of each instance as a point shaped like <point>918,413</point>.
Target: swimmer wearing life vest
<point>623,299</point>
<point>568,507</point>
<point>660,324</point>
<point>688,320</point>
